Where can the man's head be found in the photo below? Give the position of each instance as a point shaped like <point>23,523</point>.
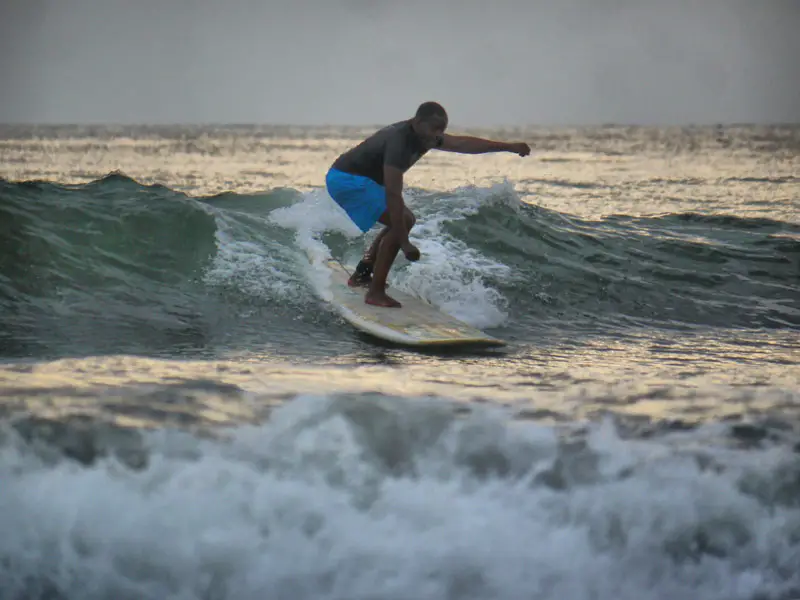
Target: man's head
<point>429,123</point>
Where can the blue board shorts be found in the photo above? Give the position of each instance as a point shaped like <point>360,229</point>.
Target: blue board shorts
<point>362,199</point>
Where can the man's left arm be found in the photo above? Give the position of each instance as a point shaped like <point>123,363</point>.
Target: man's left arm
<point>466,144</point>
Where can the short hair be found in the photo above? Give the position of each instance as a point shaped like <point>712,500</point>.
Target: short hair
<point>431,110</point>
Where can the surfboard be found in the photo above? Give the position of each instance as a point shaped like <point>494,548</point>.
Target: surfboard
<point>416,323</point>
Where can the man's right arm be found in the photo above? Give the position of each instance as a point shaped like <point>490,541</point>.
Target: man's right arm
<point>393,182</point>
<point>466,144</point>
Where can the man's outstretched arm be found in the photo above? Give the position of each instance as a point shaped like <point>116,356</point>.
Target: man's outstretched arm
<point>465,144</point>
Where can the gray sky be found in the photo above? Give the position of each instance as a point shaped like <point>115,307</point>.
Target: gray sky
<point>373,61</point>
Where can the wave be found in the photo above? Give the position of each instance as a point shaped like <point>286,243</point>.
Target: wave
<point>370,496</point>
<point>114,265</point>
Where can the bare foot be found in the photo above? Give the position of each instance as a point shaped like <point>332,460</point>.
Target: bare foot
<point>381,299</point>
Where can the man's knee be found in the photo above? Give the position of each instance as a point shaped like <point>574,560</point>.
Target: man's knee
<point>410,219</point>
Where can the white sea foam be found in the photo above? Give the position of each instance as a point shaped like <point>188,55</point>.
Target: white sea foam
<point>370,497</point>
<point>451,275</point>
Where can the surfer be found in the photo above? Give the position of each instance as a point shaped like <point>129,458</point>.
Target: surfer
<point>367,182</point>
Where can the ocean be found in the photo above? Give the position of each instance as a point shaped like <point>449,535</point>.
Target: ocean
<point>184,417</point>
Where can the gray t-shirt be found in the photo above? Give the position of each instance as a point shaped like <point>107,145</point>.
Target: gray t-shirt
<point>395,145</point>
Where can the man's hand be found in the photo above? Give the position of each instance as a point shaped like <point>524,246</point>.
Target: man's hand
<point>520,148</point>
<point>411,251</point>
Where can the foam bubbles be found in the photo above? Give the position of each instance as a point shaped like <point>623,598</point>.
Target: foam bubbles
<point>249,267</point>
<point>250,261</point>
<point>368,496</point>
<point>451,275</point>
<point>315,214</point>
<point>259,263</point>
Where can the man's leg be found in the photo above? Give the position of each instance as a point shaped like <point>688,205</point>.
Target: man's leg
<point>366,266</point>
<point>371,254</point>
<point>387,249</point>
<point>363,273</point>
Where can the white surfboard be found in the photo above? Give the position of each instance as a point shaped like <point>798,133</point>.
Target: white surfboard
<point>416,323</point>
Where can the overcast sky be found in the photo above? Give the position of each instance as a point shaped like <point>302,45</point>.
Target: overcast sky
<point>373,61</point>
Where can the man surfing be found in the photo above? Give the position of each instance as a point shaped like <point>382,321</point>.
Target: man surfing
<point>367,182</point>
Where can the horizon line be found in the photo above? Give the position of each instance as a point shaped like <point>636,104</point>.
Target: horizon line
<point>379,124</point>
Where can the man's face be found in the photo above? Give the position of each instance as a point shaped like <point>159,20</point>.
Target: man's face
<point>430,130</point>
